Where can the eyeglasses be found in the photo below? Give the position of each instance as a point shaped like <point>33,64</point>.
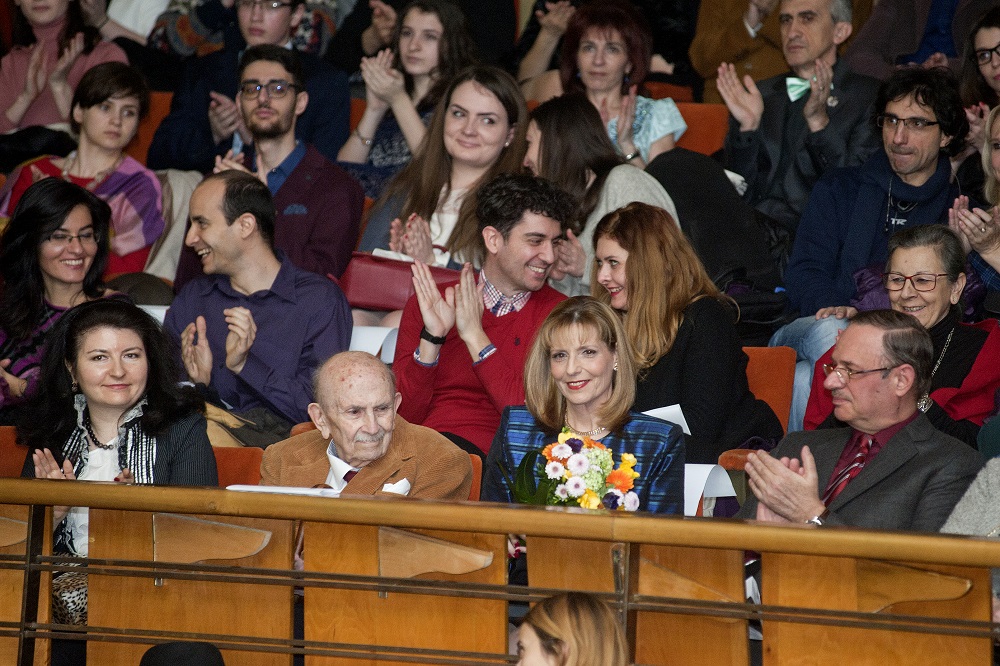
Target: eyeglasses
<point>844,375</point>
<point>985,56</point>
<point>276,89</point>
<point>269,5</point>
<point>62,239</point>
<point>920,281</point>
<point>892,122</point>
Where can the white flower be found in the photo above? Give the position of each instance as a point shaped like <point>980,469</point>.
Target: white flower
<point>578,464</point>
<point>576,486</point>
<point>561,491</point>
<point>631,501</point>
<point>555,470</point>
<point>561,451</point>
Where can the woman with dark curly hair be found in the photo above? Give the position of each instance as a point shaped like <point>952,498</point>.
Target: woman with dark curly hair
<point>52,257</point>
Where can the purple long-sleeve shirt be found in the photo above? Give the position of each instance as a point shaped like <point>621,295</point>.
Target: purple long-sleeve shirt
<point>302,320</point>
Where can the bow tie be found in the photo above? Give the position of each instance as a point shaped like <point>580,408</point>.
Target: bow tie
<point>798,87</point>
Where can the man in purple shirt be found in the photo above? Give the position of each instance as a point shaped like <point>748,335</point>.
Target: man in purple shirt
<point>255,327</point>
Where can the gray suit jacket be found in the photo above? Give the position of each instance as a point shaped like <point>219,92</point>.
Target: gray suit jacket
<point>847,140</point>
<point>913,483</point>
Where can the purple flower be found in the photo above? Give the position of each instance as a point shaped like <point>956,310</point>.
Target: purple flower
<point>575,444</point>
<point>610,500</point>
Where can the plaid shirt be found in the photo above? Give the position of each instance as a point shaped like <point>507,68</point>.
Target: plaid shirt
<point>497,303</point>
<point>658,447</point>
<point>989,275</point>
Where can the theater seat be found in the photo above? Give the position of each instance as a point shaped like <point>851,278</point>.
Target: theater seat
<point>159,107</point>
<point>238,465</point>
<point>707,126</point>
<point>12,456</point>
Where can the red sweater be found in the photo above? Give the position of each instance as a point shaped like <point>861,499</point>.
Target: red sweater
<point>455,396</point>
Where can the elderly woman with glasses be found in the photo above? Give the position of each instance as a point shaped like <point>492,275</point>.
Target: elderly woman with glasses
<point>924,277</point>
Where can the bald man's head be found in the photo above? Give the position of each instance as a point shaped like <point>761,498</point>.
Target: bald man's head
<point>356,402</point>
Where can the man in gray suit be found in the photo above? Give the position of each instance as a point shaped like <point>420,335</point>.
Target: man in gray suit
<point>790,129</point>
<point>890,469</point>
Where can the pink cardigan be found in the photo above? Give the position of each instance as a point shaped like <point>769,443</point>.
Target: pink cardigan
<point>14,69</point>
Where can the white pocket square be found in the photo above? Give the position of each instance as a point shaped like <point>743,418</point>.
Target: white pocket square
<point>399,488</point>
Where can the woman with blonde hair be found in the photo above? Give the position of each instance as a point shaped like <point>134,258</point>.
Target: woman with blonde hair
<point>580,377</point>
<point>682,330</point>
<point>571,629</point>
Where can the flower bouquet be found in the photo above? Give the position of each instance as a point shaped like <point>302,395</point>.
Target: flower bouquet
<point>575,471</point>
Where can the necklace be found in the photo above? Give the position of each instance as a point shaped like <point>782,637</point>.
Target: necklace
<point>590,433</point>
<point>93,436</point>
<point>894,222</point>
<point>70,162</point>
<point>925,401</point>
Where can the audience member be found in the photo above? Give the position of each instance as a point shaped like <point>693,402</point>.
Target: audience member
<point>748,35</point>
<point>606,54</point>
<point>470,342</point>
<point>567,144</point>
<point>477,132</point>
<point>205,121</point>
<point>889,468</point>
<point>52,257</point>
<point>255,327</point>
<point>852,212</point>
<point>903,32</point>
<point>107,106</point>
<point>925,277</point>
<point>318,204</point>
<point>369,28</point>
<point>788,131</point>
<point>681,330</point>
<point>402,86</point>
<point>111,411</point>
<point>52,50</point>
<point>361,446</point>
<point>978,228</point>
<point>580,376</point>
<point>672,27</point>
<point>571,629</point>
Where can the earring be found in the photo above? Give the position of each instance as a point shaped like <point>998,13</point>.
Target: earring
<point>75,387</point>
<point>616,366</point>
<point>507,145</point>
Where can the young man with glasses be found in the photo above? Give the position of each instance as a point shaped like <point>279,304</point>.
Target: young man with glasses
<point>889,468</point>
<point>319,205</point>
<point>205,119</point>
<point>852,212</point>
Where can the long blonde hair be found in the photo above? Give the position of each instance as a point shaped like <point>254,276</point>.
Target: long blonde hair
<point>541,393</point>
<point>991,189</point>
<point>578,629</point>
<point>663,276</point>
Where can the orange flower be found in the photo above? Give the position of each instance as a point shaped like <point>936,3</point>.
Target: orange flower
<point>621,479</point>
<point>547,451</point>
<point>591,444</point>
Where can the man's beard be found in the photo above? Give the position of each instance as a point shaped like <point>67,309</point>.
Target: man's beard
<point>274,129</point>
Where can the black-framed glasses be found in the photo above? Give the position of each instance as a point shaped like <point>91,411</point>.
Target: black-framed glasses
<point>985,56</point>
<point>272,5</point>
<point>276,89</point>
<point>63,239</point>
<point>892,122</point>
<point>845,375</point>
<point>920,281</point>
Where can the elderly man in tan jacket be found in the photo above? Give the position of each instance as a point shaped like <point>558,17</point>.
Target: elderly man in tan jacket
<point>360,446</point>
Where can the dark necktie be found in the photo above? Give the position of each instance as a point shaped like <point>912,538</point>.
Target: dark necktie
<point>839,482</point>
<point>350,475</point>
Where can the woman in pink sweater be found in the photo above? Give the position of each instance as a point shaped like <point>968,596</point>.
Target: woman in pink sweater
<point>52,51</point>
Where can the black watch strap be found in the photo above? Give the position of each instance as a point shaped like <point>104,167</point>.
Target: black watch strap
<point>433,339</point>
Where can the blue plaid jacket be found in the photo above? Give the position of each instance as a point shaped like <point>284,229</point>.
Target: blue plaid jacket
<point>658,447</point>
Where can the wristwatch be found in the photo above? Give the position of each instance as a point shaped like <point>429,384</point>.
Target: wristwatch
<point>818,520</point>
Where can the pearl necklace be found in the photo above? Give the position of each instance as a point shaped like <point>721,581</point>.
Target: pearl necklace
<point>590,433</point>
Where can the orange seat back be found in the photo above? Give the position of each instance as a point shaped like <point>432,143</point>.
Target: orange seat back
<point>771,373</point>
<point>300,428</point>
<point>707,126</point>
<point>238,465</point>
<point>12,455</point>
<point>660,90</point>
<point>159,107</point>
<point>358,106</point>
<point>477,477</point>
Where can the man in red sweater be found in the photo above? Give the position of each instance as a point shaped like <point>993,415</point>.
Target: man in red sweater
<point>460,353</point>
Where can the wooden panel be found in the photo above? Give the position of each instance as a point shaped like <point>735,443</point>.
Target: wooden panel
<point>243,609</point>
<point>684,573</point>
<point>396,619</point>
<point>838,583</point>
<point>12,586</point>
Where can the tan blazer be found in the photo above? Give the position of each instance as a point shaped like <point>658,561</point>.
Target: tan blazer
<point>435,468</point>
